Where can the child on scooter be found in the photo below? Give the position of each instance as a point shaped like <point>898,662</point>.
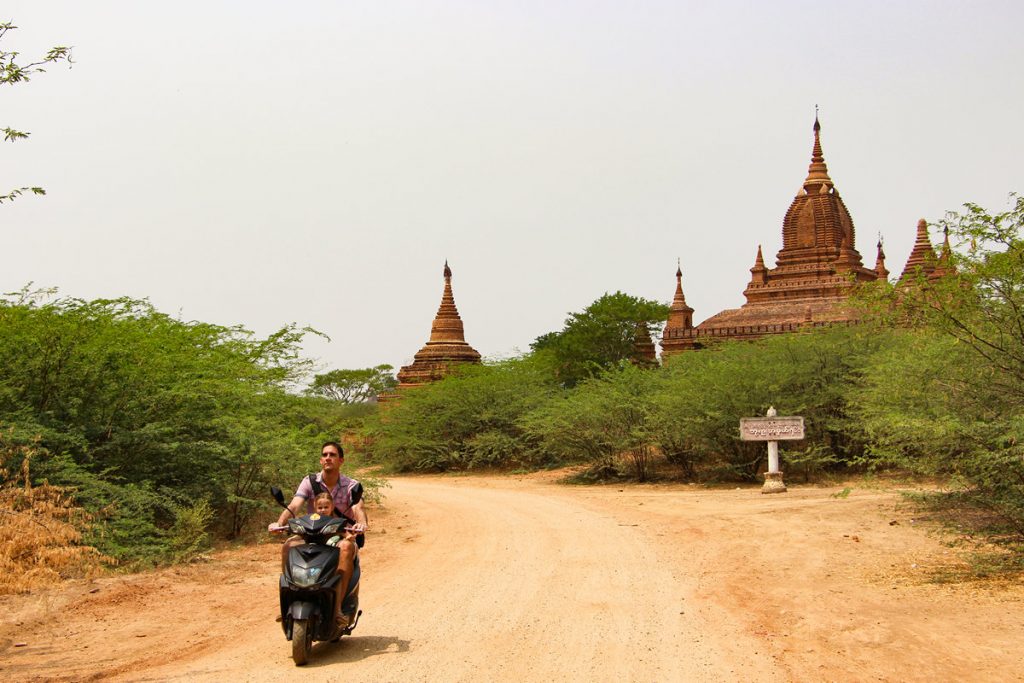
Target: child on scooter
<point>323,505</point>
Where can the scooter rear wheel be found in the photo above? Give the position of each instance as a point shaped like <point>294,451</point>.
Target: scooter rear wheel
<point>302,641</point>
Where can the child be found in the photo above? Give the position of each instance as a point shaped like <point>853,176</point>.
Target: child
<point>323,505</point>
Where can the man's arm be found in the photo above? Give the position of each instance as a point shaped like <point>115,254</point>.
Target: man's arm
<point>359,514</point>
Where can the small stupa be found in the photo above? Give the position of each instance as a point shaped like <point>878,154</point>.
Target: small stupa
<point>446,348</point>
<point>922,257</point>
<point>680,318</point>
<point>644,354</point>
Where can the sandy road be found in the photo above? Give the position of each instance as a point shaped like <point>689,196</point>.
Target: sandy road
<point>498,584</point>
<point>488,579</point>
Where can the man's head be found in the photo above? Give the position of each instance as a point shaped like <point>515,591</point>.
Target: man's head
<point>331,456</point>
<point>323,504</point>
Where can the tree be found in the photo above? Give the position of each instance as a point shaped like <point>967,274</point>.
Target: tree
<point>354,386</point>
<point>948,401</point>
<point>11,73</point>
<point>469,419</point>
<point>600,336</point>
<point>146,416</point>
<point>980,302</point>
<point>602,420</point>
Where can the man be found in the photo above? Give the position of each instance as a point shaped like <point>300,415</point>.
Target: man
<point>348,502</point>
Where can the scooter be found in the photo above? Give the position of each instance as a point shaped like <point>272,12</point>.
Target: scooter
<point>308,586</point>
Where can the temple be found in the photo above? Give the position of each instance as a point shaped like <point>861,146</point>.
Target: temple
<point>446,348</point>
<point>814,274</point>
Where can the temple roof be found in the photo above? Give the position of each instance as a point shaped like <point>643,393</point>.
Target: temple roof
<point>817,230</point>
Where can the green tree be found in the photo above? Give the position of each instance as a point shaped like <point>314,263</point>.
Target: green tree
<point>948,400</point>
<point>468,420</point>
<point>701,397</point>
<point>600,336</point>
<point>354,386</point>
<point>604,420</point>
<point>146,415</point>
<point>11,73</point>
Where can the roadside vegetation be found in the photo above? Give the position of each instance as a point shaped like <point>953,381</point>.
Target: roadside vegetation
<point>165,433</point>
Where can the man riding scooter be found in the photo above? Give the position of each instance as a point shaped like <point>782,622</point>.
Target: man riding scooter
<point>347,494</point>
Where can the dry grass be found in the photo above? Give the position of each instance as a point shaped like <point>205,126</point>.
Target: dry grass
<point>40,541</point>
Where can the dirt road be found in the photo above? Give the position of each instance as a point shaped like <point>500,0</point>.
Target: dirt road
<point>494,579</point>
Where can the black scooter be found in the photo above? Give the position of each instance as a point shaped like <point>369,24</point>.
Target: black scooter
<point>309,584</point>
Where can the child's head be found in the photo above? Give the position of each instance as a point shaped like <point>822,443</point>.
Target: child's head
<point>323,504</point>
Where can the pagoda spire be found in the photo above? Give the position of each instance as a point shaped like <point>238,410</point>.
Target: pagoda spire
<point>447,325</point>
<point>817,179</point>
<point>944,266</point>
<point>759,274</point>
<point>880,269</point>
<point>680,315</point>
<point>922,256</point>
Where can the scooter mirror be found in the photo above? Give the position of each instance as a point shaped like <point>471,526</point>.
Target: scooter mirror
<point>278,496</point>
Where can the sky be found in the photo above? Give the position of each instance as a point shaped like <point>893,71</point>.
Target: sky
<point>263,163</point>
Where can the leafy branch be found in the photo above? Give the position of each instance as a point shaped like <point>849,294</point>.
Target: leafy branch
<point>12,72</point>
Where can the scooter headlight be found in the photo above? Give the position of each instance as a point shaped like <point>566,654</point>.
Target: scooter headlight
<point>331,529</point>
<point>305,576</point>
<point>294,527</point>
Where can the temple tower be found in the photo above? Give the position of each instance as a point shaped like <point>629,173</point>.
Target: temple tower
<point>814,274</point>
<point>923,260</point>
<point>680,319</point>
<point>880,270</point>
<point>922,256</point>
<point>447,346</point>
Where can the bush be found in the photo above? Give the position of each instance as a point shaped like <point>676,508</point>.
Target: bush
<point>139,413</point>
<point>469,420</point>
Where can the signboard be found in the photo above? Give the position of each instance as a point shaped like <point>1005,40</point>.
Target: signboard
<point>771,428</point>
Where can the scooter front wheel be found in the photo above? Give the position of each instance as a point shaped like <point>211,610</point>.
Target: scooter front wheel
<point>302,641</point>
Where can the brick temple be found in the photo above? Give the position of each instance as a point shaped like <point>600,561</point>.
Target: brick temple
<point>814,274</point>
<point>446,347</point>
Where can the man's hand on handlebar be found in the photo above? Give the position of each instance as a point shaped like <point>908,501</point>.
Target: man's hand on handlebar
<point>276,528</point>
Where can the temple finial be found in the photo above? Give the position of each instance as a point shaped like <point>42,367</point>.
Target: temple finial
<point>817,174</point>
<point>447,270</point>
<point>880,270</point>
<point>679,268</point>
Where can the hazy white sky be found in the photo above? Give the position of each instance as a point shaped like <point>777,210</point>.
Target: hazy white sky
<point>268,162</point>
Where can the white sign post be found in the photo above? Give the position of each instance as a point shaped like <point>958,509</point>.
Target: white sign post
<point>772,429</point>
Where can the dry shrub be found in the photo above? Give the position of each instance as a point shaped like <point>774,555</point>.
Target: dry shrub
<point>40,541</point>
